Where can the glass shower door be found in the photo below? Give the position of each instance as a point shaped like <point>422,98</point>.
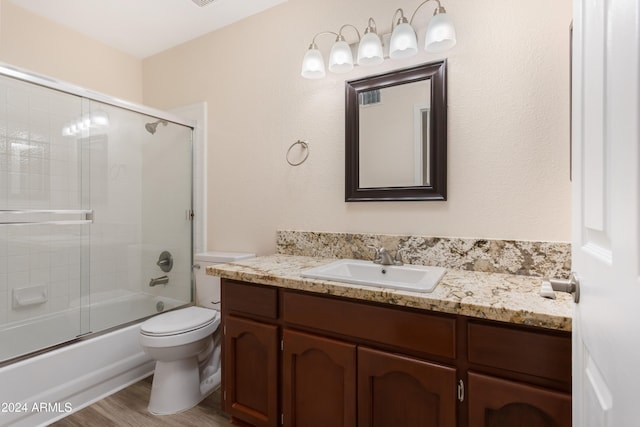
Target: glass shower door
<point>44,222</point>
<point>140,193</point>
<point>92,195</point>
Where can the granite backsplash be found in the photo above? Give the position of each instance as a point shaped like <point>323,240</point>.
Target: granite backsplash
<point>527,258</point>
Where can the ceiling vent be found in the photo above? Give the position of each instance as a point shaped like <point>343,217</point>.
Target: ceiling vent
<point>202,2</point>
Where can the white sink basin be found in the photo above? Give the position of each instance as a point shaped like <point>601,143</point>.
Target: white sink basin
<point>418,278</point>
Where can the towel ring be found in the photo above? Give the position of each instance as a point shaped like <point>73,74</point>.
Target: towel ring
<point>305,145</point>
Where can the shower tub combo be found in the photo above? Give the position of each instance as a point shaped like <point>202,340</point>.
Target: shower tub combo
<point>84,224</point>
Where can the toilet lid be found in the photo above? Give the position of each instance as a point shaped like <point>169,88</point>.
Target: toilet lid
<point>178,321</point>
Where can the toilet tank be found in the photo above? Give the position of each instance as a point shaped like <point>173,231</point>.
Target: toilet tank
<point>208,287</point>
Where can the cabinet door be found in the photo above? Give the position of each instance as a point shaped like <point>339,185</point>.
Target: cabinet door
<point>251,371</point>
<point>319,381</point>
<point>399,391</point>
<point>495,402</point>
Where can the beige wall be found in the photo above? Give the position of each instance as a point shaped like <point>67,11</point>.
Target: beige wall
<point>45,47</point>
<point>508,168</point>
<point>508,116</point>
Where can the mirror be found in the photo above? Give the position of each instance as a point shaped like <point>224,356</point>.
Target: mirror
<point>396,135</point>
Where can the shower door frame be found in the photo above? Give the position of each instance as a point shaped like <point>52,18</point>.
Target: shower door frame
<point>59,85</point>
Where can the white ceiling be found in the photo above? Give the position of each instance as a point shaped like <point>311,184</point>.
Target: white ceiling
<point>144,27</point>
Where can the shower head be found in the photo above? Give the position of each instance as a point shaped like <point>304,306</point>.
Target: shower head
<point>151,127</point>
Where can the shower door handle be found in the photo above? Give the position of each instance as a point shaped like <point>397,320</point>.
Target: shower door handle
<point>7,215</point>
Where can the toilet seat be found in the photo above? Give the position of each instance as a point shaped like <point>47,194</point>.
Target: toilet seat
<point>179,322</point>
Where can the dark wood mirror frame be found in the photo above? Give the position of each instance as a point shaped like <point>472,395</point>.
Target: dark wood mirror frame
<point>436,72</point>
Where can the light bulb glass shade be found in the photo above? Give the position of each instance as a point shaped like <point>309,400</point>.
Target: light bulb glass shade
<point>441,34</point>
<point>370,50</point>
<point>85,122</point>
<point>313,65</point>
<point>340,58</point>
<point>403,42</point>
<point>99,118</point>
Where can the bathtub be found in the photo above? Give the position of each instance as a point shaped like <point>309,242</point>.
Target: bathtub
<point>44,388</point>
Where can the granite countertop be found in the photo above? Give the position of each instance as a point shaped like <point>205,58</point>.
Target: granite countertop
<point>495,296</point>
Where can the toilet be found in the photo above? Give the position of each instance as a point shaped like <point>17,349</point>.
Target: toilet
<point>185,343</point>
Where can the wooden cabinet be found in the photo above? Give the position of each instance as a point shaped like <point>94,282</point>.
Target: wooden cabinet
<point>421,333</point>
<point>400,391</point>
<point>320,377</point>
<point>250,371</point>
<point>318,381</point>
<point>300,359</point>
<point>250,353</point>
<point>392,389</point>
<point>518,376</point>
<point>495,402</point>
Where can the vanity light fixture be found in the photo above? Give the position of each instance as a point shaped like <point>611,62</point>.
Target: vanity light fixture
<point>340,58</point>
<point>440,35</point>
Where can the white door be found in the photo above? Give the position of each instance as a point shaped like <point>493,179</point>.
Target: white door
<point>606,229</point>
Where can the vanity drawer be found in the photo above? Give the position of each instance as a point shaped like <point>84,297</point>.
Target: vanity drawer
<point>250,299</point>
<point>408,330</point>
<point>541,354</point>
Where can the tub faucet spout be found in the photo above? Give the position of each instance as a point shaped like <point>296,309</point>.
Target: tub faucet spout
<point>162,280</point>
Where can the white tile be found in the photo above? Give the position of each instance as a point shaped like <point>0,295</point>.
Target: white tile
<point>17,280</point>
<point>40,259</point>
<point>17,263</point>
<point>39,276</point>
<point>60,274</point>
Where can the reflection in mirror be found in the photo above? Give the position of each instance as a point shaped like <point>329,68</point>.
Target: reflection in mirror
<point>396,135</point>
<point>407,107</point>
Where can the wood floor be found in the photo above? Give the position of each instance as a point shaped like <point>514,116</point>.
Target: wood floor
<point>128,407</point>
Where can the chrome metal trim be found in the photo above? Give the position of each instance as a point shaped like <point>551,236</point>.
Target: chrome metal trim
<point>69,222</point>
<point>87,336</point>
<point>62,86</point>
<point>88,216</point>
<point>47,211</point>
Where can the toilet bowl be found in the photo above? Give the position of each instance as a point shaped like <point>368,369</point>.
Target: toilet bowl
<point>185,344</point>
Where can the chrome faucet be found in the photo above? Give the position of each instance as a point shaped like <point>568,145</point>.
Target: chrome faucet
<point>383,257</point>
<point>162,280</point>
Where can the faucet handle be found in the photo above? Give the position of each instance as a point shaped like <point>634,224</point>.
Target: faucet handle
<point>398,258</point>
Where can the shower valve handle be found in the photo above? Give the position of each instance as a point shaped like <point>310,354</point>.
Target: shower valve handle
<point>165,262</point>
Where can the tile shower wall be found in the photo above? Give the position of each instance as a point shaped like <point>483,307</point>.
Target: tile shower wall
<point>543,259</point>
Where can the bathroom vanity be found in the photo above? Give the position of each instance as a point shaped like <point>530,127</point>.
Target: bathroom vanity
<point>480,350</point>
